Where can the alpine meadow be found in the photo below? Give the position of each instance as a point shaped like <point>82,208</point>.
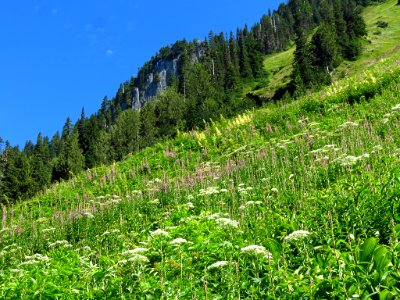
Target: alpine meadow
<point>260,164</point>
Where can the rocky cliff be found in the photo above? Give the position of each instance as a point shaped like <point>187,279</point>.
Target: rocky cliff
<point>157,80</point>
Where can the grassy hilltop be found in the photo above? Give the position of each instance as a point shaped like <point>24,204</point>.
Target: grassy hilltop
<point>295,200</point>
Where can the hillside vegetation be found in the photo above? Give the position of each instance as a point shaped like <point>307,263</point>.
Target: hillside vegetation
<point>296,200</point>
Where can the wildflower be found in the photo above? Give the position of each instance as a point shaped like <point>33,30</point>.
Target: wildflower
<point>137,258</point>
<point>218,264</point>
<point>88,215</point>
<point>223,190</point>
<point>155,201</point>
<point>297,235</point>
<point>63,243</point>
<point>190,205</point>
<point>215,216</point>
<point>29,262</point>
<point>291,176</point>
<point>122,261</point>
<point>178,241</point>
<point>39,257</point>
<point>135,251</point>
<point>256,250</point>
<point>274,190</point>
<point>396,108</point>
<point>227,223</point>
<point>159,232</point>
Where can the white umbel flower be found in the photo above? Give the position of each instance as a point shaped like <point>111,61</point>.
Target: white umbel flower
<point>274,190</point>
<point>159,233</point>
<point>139,259</point>
<point>178,241</point>
<point>297,235</point>
<point>218,264</point>
<point>135,251</point>
<point>227,223</point>
<point>256,250</point>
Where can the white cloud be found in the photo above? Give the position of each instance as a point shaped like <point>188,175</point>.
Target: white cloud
<point>109,52</point>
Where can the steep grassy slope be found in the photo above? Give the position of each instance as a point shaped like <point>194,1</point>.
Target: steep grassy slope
<point>296,200</point>
<point>379,43</point>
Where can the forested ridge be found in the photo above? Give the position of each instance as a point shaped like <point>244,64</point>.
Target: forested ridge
<point>325,33</point>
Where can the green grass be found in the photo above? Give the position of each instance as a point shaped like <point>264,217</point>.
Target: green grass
<point>379,43</point>
<point>278,67</point>
<point>377,46</point>
<point>296,200</point>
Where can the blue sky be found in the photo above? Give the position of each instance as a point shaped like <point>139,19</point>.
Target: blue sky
<point>59,56</point>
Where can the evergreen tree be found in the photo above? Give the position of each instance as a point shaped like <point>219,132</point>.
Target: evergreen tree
<point>170,112</point>
<point>303,73</point>
<point>82,133</point>
<point>124,135</point>
<point>16,181</point>
<point>148,129</point>
<point>67,129</point>
<point>70,161</point>
<point>40,167</point>
<point>55,145</point>
<point>244,62</point>
<point>325,54</point>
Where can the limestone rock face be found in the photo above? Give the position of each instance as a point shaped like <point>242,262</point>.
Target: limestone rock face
<point>157,81</point>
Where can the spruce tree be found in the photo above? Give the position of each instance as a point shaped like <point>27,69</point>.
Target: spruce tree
<point>303,73</point>
<point>244,61</point>
<point>148,129</point>
<point>40,166</point>
<point>325,54</point>
<point>70,161</point>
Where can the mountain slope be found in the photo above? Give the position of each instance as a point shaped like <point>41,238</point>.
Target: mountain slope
<point>294,200</point>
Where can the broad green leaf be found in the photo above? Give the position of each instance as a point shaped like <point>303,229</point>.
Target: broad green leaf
<point>386,295</point>
<point>382,258</point>
<point>367,249</point>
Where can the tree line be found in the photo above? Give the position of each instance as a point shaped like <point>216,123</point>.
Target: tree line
<point>203,89</point>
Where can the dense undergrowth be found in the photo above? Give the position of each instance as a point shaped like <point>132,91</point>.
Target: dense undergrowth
<point>296,200</point>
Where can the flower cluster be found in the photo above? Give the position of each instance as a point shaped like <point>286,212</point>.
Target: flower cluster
<point>297,235</point>
<point>227,223</point>
<point>178,241</point>
<point>63,243</point>
<point>134,251</point>
<point>257,250</point>
<point>159,233</point>
<point>218,264</point>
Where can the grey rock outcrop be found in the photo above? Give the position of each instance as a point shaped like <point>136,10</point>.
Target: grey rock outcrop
<point>157,81</point>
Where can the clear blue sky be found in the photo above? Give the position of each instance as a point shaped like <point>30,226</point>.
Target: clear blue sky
<point>59,56</point>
